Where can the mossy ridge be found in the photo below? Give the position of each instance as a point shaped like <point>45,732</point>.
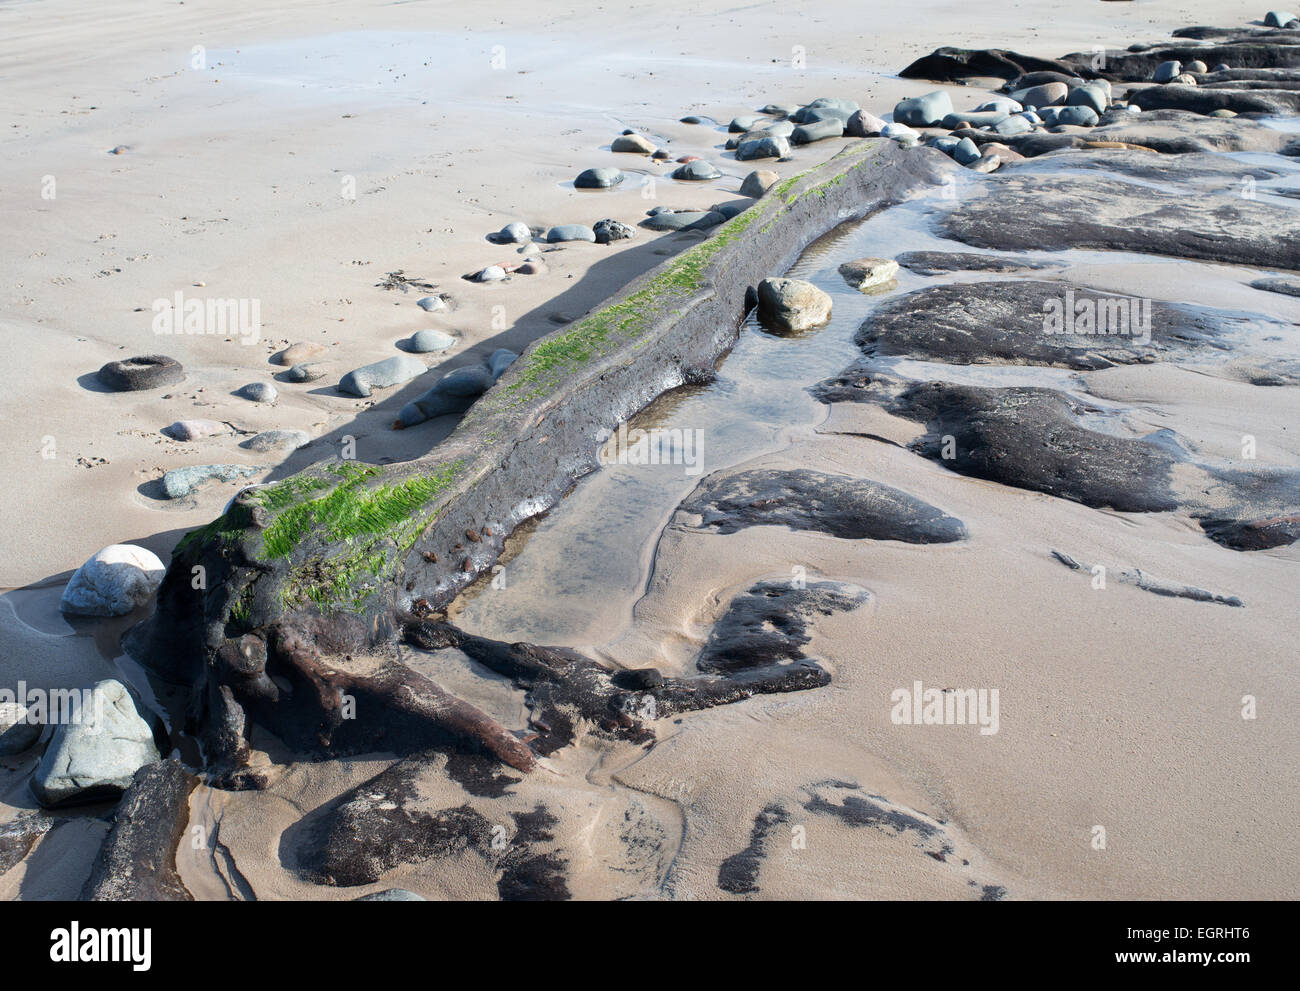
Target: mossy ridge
<point>625,321</point>
<point>378,526</point>
<point>228,525</point>
<point>352,509</point>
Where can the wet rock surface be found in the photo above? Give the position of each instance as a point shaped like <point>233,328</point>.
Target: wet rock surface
<point>767,626</point>
<point>137,861</point>
<point>852,508</point>
<point>1039,323</point>
<point>380,824</point>
<point>1029,212</point>
<point>847,804</point>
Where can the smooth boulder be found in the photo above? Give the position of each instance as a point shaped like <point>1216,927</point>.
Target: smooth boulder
<point>381,375</point>
<point>115,580</point>
<point>924,111</point>
<point>456,391</point>
<point>792,304</point>
<point>96,755</point>
<point>758,182</point>
<point>598,178</point>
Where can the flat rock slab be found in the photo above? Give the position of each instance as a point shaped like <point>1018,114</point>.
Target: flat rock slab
<point>853,508</point>
<point>137,861</point>
<point>767,626</point>
<point>381,824</point>
<point>1203,100</point>
<point>942,262</point>
<point>1038,323</point>
<point>1025,211</point>
<point>180,482</point>
<point>1031,438</point>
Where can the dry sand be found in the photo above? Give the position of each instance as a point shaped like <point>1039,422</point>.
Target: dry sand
<point>1118,708</point>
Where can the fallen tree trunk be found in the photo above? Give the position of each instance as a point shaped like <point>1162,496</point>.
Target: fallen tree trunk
<point>260,610</point>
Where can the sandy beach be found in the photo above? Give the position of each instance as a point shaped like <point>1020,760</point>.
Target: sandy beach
<point>339,162</point>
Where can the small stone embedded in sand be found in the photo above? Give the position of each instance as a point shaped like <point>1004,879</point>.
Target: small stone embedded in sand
<point>532,266</point>
<point>17,731</point>
<point>1015,124</point>
<point>817,130</point>
<point>493,273</point>
<point>381,375</point>
<point>965,152</point>
<point>180,482</point>
<point>113,582</point>
<point>792,304</point>
<point>1045,95</point>
<point>306,372</point>
<point>608,230</point>
<point>431,303</point>
<point>512,233</point>
<point>780,109</point>
<point>570,232</point>
<point>766,147</point>
<point>758,182</point>
<point>1089,95</point>
<point>426,341</point>
<point>297,353</point>
<point>186,430</point>
<point>863,124</point>
<point>275,440</point>
<point>149,371</point>
<point>680,220</point>
<point>1000,104</point>
<point>633,143</point>
<point>696,171</point>
<point>901,133</point>
<point>1167,71</point>
<point>456,391</point>
<point>924,111</point>
<point>739,125</point>
<point>731,208</point>
<point>598,178</point>
<point>95,756</point>
<point>808,112</point>
<point>864,274</point>
<point>258,392</point>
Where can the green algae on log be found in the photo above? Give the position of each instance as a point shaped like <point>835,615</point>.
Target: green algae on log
<point>259,609</point>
